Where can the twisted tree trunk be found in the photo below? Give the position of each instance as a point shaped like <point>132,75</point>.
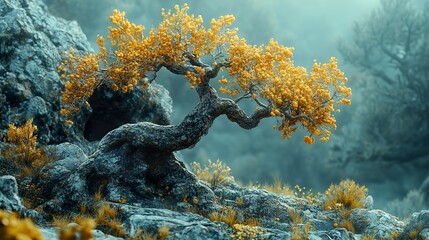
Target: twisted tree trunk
<point>196,124</point>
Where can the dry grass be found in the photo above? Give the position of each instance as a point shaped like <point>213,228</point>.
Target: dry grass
<point>215,173</point>
<point>163,232</point>
<point>295,217</point>
<point>12,227</point>
<point>300,232</point>
<point>98,196</point>
<point>83,230</point>
<point>252,222</point>
<point>61,221</point>
<point>161,235</point>
<point>107,216</point>
<point>278,187</point>
<point>345,196</point>
<point>22,150</point>
<point>227,215</point>
<point>347,224</point>
<point>83,208</point>
<point>368,237</point>
<point>239,201</point>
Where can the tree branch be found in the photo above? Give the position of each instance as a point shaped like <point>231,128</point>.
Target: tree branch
<point>177,137</point>
<point>194,61</point>
<point>179,70</point>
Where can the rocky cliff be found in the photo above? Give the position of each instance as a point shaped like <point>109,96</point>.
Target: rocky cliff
<point>32,44</point>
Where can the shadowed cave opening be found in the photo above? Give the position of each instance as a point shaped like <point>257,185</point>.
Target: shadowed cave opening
<point>111,110</point>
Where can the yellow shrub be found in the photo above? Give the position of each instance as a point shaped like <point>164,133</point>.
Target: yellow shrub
<point>228,216</point>
<point>216,173</point>
<point>106,216</point>
<point>300,232</point>
<point>83,230</point>
<point>278,187</point>
<point>295,217</point>
<point>243,231</point>
<point>22,151</point>
<point>347,224</point>
<point>163,232</point>
<point>13,228</point>
<point>368,237</point>
<point>345,196</point>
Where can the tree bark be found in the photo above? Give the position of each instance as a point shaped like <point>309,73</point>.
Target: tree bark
<point>195,125</point>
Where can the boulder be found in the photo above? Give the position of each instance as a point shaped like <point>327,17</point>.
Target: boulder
<point>376,222</point>
<point>417,224</point>
<point>31,46</point>
<point>9,199</point>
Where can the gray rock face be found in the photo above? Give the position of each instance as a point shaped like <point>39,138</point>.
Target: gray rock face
<point>9,199</point>
<point>32,42</point>
<point>69,158</point>
<point>51,233</point>
<point>181,225</point>
<point>146,178</point>
<point>418,223</point>
<point>376,222</point>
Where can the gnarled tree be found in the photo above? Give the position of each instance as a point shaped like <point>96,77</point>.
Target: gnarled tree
<point>184,46</point>
<point>391,48</point>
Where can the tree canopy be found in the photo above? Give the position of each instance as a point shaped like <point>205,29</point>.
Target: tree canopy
<point>183,45</point>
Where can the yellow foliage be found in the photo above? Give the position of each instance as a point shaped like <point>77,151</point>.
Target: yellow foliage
<point>295,96</point>
<point>347,224</point>
<point>97,195</point>
<point>140,235</point>
<point>239,201</point>
<point>300,232</point>
<point>22,150</point>
<point>278,187</point>
<point>61,221</point>
<point>251,222</point>
<point>307,194</point>
<point>227,215</point>
<point>106,216</point>
<point>368,237</point>
<point>216,173</point>
<point>135,54</point>
<point>163,232</point>
<point>258,72</point>
<point>243,231</point>
<point>82,230</point>
<point>13,228</point>
<point>345,196</point>
<point>413,234</point>
<point>295,217</point>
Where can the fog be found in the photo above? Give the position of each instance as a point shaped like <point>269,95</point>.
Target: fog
<point>314,28</point>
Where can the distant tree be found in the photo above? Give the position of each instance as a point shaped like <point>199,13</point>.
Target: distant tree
<point>391,122</point>
<point>182,45</point>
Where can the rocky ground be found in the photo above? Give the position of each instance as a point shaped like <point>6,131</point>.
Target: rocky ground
<point>131,191</point>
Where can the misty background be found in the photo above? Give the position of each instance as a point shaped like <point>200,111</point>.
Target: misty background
<point>382,138</point>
